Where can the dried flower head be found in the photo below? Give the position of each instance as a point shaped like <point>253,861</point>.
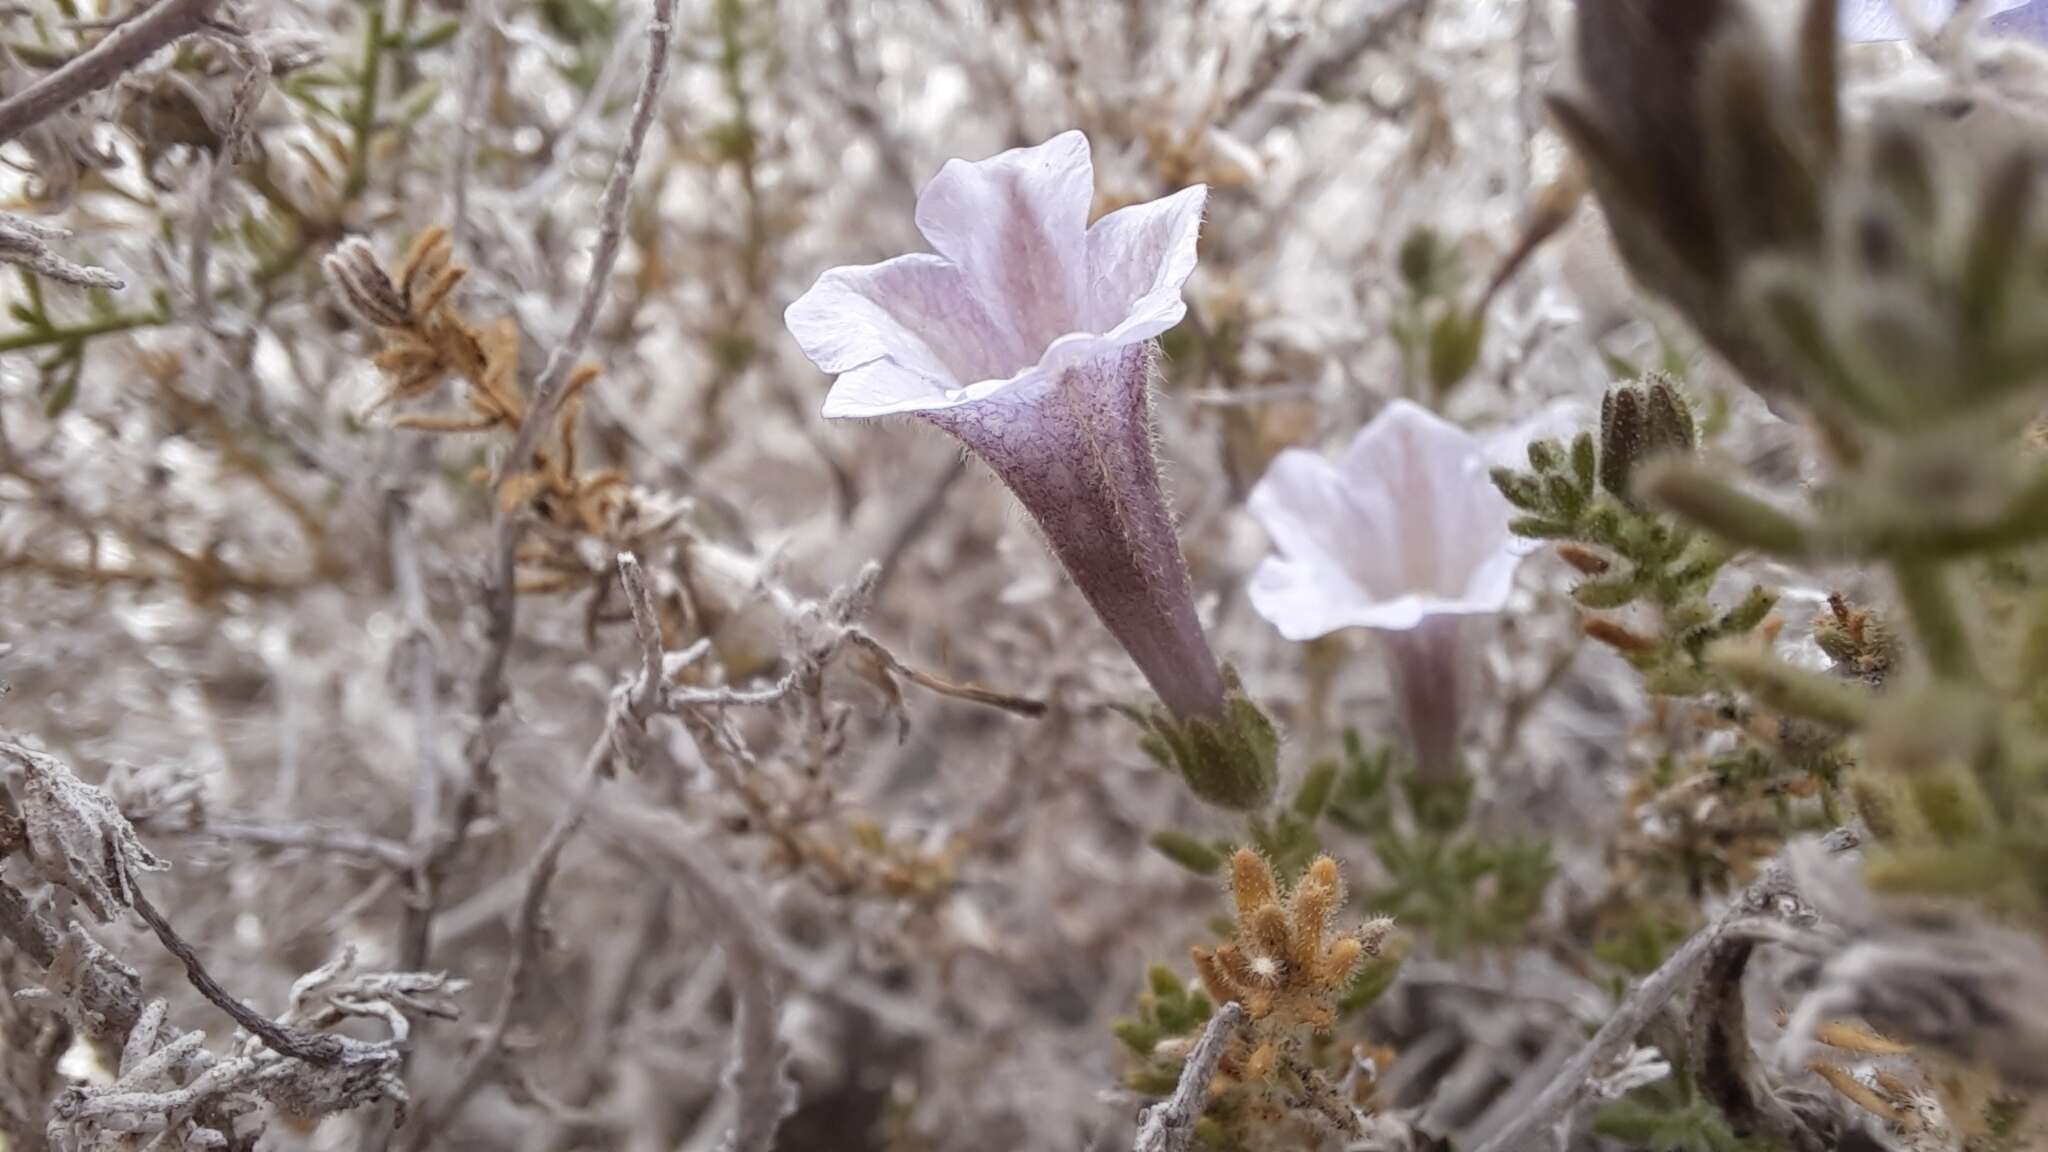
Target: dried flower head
<point>1637,423</point>
<point>1289,969</point>
<point>1858,641</point>
<point>427,340</point>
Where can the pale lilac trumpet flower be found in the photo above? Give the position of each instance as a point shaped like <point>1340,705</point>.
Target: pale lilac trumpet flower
<point>1404,535</point>
<point>1029,336</point>
<point>1871,20</point>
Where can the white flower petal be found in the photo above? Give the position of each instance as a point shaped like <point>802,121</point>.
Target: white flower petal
<point>2029,20</point>
<point>914,310</point>
<point>1488,586</point>
<point>1868,20</point>
<point>1138,259</point>
<point>1303,600</point>
<point>1448,517</point>
<point>1016,224</point>
<point>883,388</point>
<point>886,388</point>
<point>1316,518</point>
<point>1306,601</point>
<point>1406,528</point>
<point>1020,292</point>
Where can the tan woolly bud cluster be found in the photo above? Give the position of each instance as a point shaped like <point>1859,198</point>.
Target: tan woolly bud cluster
<point>427,340</point>
<point>1290,971</point>
<point>1283,964</point>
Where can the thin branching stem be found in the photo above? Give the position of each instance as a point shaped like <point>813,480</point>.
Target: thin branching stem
<point>1169,1126</point>
<point>285,1041</point>
<point>620,740</point>
<point>123,49</point>
<point>1642,1003</point>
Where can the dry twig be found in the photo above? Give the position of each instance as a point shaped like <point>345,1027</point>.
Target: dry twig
<point>100,66</point>
<point>1169,1126</point>
<point>1643,1002</point>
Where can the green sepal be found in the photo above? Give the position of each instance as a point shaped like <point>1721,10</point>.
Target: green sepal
<point>1231,761</point>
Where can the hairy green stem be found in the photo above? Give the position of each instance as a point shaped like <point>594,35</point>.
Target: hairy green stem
<point>363,117</point>
<point>51,337</point>
<point>1937,621</point>
<point>1702,498</point>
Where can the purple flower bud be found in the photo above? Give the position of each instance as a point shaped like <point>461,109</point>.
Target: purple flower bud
<point>1029,336</point>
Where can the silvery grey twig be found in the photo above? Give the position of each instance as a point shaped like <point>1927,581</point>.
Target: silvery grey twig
<point>253,82</point>
<point>500,593</point>
<point>624,729</point>
<point>757,1075</point>
<point>126,47</point>
<point>1169,1126</point>
<point>479,26</point>
<point>27,243</point>
<point>1643,1002</point>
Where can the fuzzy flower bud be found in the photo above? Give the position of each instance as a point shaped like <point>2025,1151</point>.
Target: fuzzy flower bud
<point>1638,423</point>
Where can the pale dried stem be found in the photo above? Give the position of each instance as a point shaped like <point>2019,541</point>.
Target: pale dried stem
<point>620,742</point>
<point>1169,1126</point>
<point>123,49</point>
<point>1643,1003</point>
<point>501,589</point>
<point>308,837</point>
<point>313,1048</point>
<point>479,25</point>
<point>757,1076</point>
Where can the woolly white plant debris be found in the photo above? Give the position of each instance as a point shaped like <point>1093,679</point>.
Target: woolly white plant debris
<point>76,837</point>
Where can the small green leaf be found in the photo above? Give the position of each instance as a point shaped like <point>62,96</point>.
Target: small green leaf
<point>1539,528</point>
<point>1187,851</point>
<point>1140,1037</point>
<point>61,396</point>
<point>1604,592</point>
<point>1374,977</point>
<point>1455,341</point>
<point>1523,491</point>
<point>1163,983</point>
<point>436,36</point>
<point>1420,260</point>
<point>1314,793</point>
<point>1748,614</point>
<point>1585,461</point>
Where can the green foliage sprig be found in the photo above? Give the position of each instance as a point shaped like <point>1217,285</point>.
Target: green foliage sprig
<point>1438,334</point>
<point>1879,276</point>
<point>1582,495</point>
<point>64,342</point>
<point>1438,872</point>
